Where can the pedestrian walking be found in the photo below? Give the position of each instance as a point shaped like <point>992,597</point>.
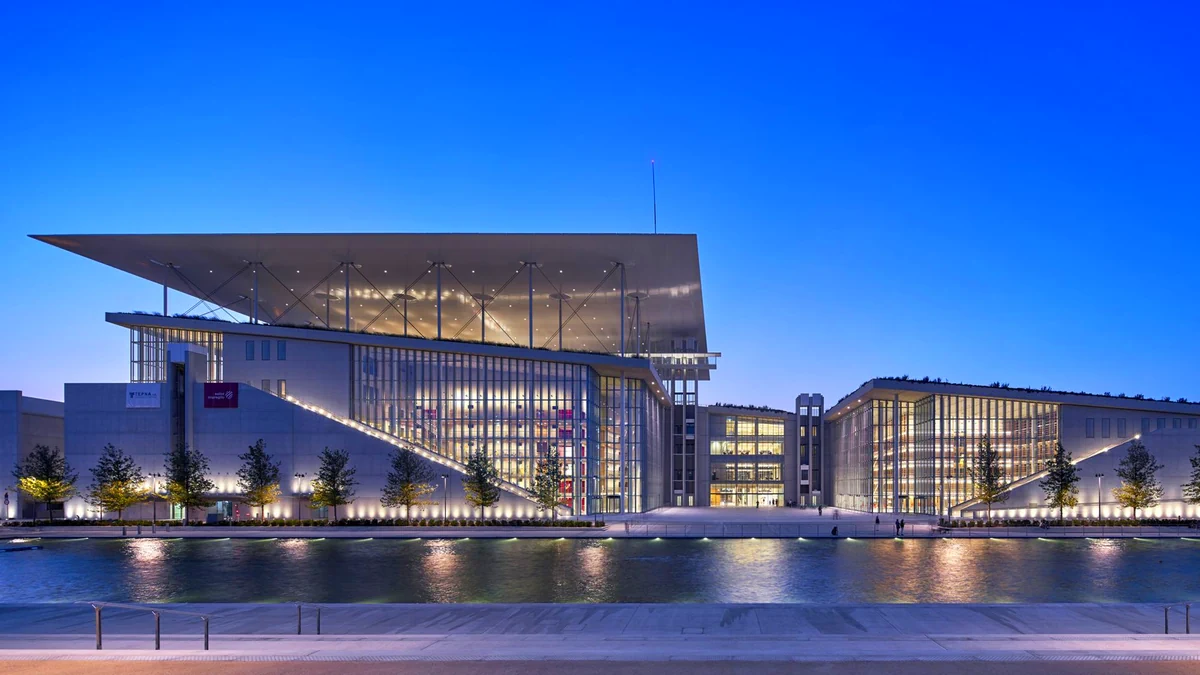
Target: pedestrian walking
<point>876,524</point>
<point>820,510</point>
<point>897,527</point>
<point>901,527</point>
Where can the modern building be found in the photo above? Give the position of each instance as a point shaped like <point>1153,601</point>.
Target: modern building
<point>906,446</point>
<point>25,423</point>
<point>521,346</point>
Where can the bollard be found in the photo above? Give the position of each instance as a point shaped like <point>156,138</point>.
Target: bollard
<point>1187,618</point>
<point>299,617</point>
<point>1166,620</point>
<point>318,619</point>
<point>98,609</point>
<point>157,632</point>
<point>205,619</point>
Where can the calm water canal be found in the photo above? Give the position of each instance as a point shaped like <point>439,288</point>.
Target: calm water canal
<point>531,570</point>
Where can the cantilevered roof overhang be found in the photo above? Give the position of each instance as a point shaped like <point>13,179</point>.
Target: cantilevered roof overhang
<point>393,281</point>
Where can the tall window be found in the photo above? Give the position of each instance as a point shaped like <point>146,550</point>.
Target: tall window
<point>266,385</point>
<point>1121,430</point>
<point>1105,428</point>
<point>281,350</point>
<point>1090,425</point>
<point>283,387</point>
<point>249,350</point>
<point>266,350</point>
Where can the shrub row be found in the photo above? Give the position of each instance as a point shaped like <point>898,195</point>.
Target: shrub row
<point>1073,522</point>
<point>353,522</point>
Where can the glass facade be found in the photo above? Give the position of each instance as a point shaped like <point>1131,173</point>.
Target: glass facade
<point>516,410</point>
<point>746,460</point>
<point>148,352</point>
<point>915,456</point>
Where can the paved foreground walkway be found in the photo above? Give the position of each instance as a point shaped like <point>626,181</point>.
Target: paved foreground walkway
<point>608,632</point>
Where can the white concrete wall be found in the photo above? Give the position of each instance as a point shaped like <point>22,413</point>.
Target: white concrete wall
<point>25,422</point>
<point>1173,448</point>
<point>1073,426</point>
<point>316,372</point>
<point>292,435</point>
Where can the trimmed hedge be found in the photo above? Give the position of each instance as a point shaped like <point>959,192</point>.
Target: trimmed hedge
<point>1071,522</point>
<point>343,522</point>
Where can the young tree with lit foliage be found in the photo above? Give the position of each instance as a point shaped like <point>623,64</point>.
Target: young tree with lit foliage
<point>1139,487</point>
<point>1191,489</point>
<point>481,482</point>
<point>408,481</point>
<point>258,477</point>
<point>987,474</point>
<point>335,481</point>
<point>548,476</point>
<point>117,482</point>
<point>187,482</point>
<point>46,477</point>
<point>1060,481</point>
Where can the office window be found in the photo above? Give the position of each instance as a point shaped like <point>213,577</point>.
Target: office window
<point>283,387</point>
<point>1191,422</point>
<point>1160,423</point>
<point>1145,425</point>
<point>1176,423</point>
<point>1105,428</point>
<point>803,431</point>
<point>266,385</point>
<point>249,350</point>
<point>1090,426</point>
<point>281,350</point>
<point>266,350</point>
<point>1121,430</point>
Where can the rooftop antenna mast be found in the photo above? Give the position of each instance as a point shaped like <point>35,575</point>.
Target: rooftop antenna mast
<point>654,195</point>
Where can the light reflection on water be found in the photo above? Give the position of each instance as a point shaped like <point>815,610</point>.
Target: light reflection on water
<point>546,570</point>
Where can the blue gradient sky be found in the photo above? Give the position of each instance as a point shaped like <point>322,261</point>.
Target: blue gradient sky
<point>974,191</point>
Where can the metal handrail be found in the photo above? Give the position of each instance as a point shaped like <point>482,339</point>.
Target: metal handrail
<point>300,616</point>
<point>1187,617</point>
<point>99,607</point>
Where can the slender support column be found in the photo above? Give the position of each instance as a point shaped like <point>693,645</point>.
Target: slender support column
<point>328,301</point>
<point>346,270</point>
<point>483,315</point>
<point>406,315</point>
<point>254,309</point>
<point>560,326</point>
<point>622,308</point>
<point>896,454</point>
<point>529,267</point>
<point>439,300</point>
<point>621,444</point>
<point>164,297</point>
<point>637,316</point>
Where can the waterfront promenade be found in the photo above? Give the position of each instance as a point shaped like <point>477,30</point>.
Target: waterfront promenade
<point>622,633</point>
<point>669,522</point>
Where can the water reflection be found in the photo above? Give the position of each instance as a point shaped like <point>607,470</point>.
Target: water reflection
<point>542,570</point>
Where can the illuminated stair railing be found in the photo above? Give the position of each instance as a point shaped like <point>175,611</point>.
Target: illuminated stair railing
<point>957,509</point>
<point>507,486</point>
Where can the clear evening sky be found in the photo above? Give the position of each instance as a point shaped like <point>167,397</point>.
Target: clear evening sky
<point>975,191</point>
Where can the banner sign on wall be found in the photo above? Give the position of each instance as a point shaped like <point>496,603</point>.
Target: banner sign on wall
<point>143,395</point>
<point>220,394</point>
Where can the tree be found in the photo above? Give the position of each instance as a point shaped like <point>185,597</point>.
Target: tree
<point>1191,489</point>
<point>410,479</point>
<point>987,473</point>
<point>46,477</point>
<point>335,481</point>
<point>259,477</point>
<point>481,482</point>
<point>186,474</point>
<point>1139,487</point>
<point>117,481</point>
<point>548,476</point>
<point>1059,483</point>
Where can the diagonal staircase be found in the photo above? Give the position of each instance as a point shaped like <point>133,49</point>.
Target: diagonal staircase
<point>507,486</point>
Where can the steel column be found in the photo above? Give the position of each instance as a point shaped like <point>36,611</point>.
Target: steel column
<point>622,308</point>
<point>530,270</point>
<point>560,326</point>
<point>254,309</point>
<point>165,297</point>
<point>346,270</point>
<point>621,445</point>
<point>482,315</point>
<point>439,300</point>
<point>896,453</point>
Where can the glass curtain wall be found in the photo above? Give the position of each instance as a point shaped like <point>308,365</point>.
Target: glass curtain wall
<point>515,411</point>
<point>927,468</point>
<point>148,352</point>
<point>746,459</point>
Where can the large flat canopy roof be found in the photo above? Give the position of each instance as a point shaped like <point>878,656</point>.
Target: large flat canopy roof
<point>300,274</point>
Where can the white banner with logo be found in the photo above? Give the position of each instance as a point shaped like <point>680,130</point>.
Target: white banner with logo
<point>143,395</point>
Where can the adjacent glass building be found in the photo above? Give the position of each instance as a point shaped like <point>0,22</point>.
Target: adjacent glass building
<point>912,453</point>
<point>746,460</point>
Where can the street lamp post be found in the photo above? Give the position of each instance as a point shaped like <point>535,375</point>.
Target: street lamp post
<point>445,495</point>
<point>154,501</point>
<point>1099,491</point>
<point>299,478</point>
